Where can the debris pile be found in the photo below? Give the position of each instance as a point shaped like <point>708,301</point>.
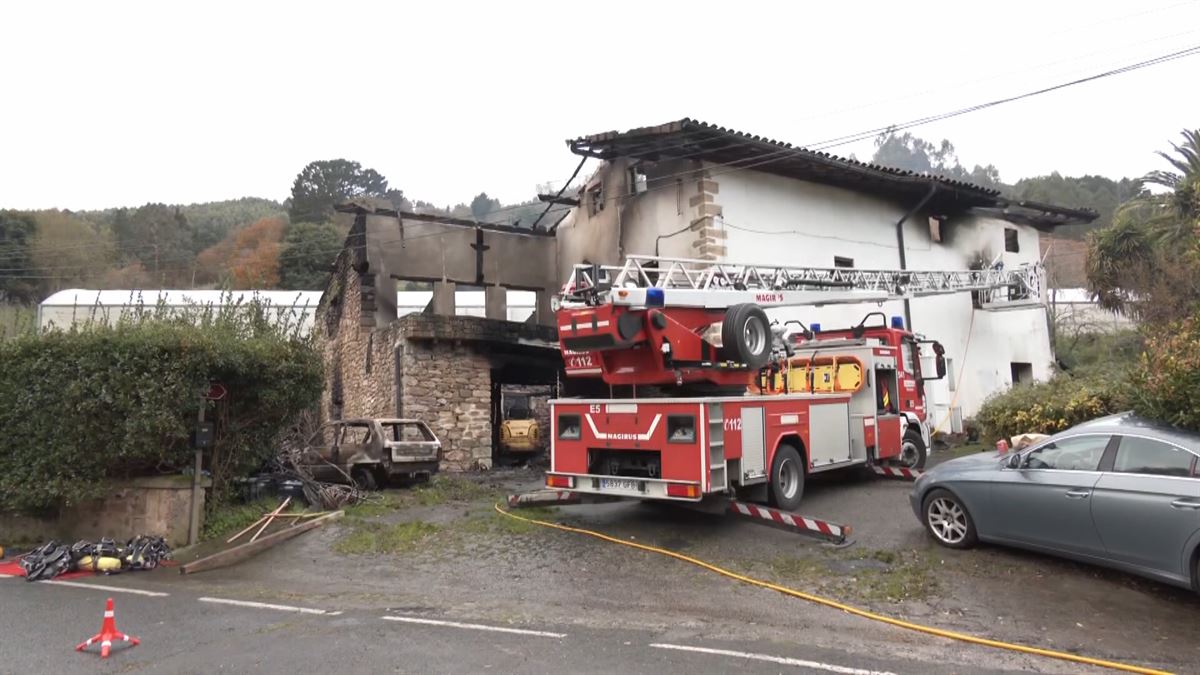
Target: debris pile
<point>106,556</point>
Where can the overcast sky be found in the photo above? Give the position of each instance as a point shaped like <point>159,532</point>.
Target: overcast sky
<point>183,102</point>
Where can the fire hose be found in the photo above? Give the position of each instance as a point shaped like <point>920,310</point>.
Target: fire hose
<point>849,609</point>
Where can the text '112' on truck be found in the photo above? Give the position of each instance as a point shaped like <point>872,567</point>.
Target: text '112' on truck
<point>717,402</point>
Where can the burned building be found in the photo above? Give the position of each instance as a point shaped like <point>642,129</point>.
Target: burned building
<point>445,369</point>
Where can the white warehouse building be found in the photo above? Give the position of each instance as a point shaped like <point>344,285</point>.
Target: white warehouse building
<point>77,307</point>
<point>688,189</point>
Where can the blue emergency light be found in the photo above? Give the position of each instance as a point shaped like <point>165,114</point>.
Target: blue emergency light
<point>654,297</point>
<point>898,322</point>
<point>814,327</point>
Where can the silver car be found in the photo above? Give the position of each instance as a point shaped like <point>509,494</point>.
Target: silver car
<point>1119,491</point>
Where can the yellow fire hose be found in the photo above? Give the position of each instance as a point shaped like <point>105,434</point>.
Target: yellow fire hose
<point>929,630</point>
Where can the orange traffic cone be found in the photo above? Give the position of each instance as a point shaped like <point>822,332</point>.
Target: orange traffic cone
<point>108,633</point>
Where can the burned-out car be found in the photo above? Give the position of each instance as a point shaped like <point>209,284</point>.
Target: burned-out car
<point>372,451</point>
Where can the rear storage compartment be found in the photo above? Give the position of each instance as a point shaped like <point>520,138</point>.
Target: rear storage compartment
<point>645,449</point>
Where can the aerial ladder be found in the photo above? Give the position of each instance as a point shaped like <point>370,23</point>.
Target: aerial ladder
<point>649,321</point>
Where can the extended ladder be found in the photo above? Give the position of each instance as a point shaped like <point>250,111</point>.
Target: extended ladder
<point>654,280</point>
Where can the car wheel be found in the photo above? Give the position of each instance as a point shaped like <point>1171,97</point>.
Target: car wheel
<point>913,452</point>
<point>948,520</point>
<point>787,478</point>
<point>364,478</point>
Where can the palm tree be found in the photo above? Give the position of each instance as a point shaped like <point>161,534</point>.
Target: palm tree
<point>1144,250</point>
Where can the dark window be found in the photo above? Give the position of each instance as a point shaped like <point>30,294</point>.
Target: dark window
<point>1079,453</point>
<point>596,198</point>
<point>681,429</point>
<point>569,427</point>
<point>839,261</point>
<point>370,351</point>
<point>1142,455</point>
<point>1011,243</point>
<point>1022,373</point>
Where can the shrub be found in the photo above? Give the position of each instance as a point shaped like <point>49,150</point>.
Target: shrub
<point>1167,381</point>
<point>1049,407</point>
<point>96,403</point>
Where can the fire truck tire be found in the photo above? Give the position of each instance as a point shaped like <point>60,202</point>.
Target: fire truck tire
<point>746,335</point>
<point>787,478</point>
<point>913,452</point>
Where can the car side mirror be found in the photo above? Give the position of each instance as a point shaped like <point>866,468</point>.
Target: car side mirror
<point>1014,462</point>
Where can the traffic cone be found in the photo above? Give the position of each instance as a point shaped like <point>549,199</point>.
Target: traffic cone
<point>108,633</point>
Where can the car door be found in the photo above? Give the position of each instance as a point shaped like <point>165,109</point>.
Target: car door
<point>1047,501</point>
<point>1148,506</point>
<point>354,445</point>
<point>320,450</point>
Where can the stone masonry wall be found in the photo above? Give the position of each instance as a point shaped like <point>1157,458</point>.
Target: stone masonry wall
<point>448,384</point>
<point>360,367</point>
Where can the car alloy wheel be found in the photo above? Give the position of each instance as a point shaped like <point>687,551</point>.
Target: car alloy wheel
<point>947,520</point>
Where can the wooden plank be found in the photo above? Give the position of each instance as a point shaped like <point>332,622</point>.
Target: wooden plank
<point>271,518</point>
<point>242,551</point>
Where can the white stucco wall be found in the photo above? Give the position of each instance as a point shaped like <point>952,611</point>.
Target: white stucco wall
<point>776,220</point>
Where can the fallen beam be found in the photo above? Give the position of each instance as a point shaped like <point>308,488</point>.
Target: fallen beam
<point>242,551</point>
<point>543,498</point>
<point>897,472</point>
<point>791,521</point>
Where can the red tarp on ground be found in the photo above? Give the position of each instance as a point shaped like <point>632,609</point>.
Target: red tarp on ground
<point>13,568</point>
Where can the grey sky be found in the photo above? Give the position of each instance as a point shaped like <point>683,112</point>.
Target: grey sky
<point>187,102</point>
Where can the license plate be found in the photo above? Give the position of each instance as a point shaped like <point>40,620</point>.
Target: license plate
<point>618,484</point>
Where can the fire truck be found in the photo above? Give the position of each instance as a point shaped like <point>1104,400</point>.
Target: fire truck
<point>708,397</point>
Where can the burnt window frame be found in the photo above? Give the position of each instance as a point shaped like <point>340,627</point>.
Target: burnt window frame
<point>1012,240</point>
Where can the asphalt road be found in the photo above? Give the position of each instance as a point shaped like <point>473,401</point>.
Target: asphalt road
<point>183,633</point>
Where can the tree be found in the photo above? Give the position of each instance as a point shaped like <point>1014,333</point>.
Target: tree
<point>1147,263</point>
<point>69,251</point>
<point>248,258</point>
<point>16,261</point>
<point>906,151</point>
<point>158,236</point>
<point>323,184</point>
<point>308,251</point>
<point>482,205</point>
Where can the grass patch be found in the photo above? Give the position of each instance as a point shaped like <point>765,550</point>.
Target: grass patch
<point>227,519</point>
<point>495,523</point>
<point>799,569</point>
<point>374,538</point>
<point>378,504</point>
<point>909,575</point>
<point>443,489</point>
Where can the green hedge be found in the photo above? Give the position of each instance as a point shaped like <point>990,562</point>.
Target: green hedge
<point>1166,384</point>
<point>1049,407</point>
<point>88,405</point>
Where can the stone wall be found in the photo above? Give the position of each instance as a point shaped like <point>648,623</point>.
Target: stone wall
<point>449,386</point>
<point>360,363</point>
<point>157,505</point>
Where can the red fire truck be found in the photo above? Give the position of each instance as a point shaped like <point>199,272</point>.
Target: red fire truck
<point>715,400</point>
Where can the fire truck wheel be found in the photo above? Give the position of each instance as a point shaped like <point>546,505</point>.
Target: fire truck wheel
<point>912,451</point>
<point>787,478</point>
<point>947,519</point>
<point>746,335</point>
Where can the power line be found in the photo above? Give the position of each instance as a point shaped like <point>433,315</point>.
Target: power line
<point>739,164</point>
